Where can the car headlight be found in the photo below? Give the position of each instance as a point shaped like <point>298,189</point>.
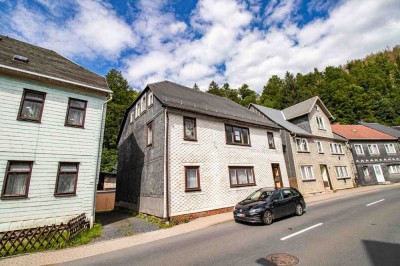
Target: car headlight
<point>256,210</point>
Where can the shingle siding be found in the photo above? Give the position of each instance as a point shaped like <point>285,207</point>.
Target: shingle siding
<point>47,143</point>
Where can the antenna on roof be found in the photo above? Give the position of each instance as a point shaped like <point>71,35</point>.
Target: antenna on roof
<point>21,58</point>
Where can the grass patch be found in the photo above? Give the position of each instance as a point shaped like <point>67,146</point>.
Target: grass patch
<point>154,220</point>
<point>86,236</point>
<point>128,232</point>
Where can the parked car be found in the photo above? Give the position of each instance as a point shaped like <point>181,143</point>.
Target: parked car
<point>268,204</point>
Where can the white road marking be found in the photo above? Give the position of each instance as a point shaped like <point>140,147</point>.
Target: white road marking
<point>372,203</point>
<point>302,231</point>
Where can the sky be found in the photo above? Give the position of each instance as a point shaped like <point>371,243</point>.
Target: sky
<point>188,41</point>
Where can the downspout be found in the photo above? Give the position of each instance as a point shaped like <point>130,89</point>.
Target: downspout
<point>166,168</point>
<point>98,159</point>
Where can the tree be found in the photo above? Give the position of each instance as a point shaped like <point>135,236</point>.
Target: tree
<point>247,95</point>
<point>213,88</point>
<point>123,96</point>
<point>195,87</point>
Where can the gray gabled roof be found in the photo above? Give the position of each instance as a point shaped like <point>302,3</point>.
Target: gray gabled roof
<point>184,98</point>
<point>46,64</point>
<point>396,127</point>
<point>278,117</point>
<point>384,129</point>
<point>304,108</point>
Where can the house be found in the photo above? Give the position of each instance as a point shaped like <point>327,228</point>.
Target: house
<point>376,154</point>
<point>51,132</point>
<point>185,152</point>
<point>317,160</point>
<point>392,131</point>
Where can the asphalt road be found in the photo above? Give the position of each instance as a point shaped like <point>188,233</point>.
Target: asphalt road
<point>336,232</point>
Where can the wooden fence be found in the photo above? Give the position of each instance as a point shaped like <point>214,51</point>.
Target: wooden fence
<point>41,238</point>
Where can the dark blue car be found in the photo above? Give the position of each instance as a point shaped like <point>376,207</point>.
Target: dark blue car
<point>267,204</point>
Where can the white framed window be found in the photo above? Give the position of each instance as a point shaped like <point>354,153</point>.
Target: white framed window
<point>336,148</point>
<point>307,172</point>
<point>390,149</point>
<point>365,171</point>
<point>138,109</point>
<point>144,103</point>
<point>373,148</point>
<point>320,147</point>
<point>302,145</point>
<point>341,172</point>
<point>394,169</point>
<point>359,149</point>
<point>320,123</point>
<point>132,116</point>
<point>150,99</point>
<point>150,134</point>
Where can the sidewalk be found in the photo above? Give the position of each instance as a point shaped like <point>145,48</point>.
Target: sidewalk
<point>64,255</point>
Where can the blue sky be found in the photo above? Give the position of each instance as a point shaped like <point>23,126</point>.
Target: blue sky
<point>235,41</point>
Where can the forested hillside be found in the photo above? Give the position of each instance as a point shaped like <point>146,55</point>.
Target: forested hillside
<point>367,89</point>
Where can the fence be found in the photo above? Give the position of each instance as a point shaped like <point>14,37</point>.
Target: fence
<point>41,238</point>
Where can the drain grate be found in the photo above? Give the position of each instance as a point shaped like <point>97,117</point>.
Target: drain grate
<point>282,259</point>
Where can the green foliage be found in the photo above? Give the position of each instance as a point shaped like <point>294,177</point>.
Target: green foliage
<point>154,220</point>
<point>122,99</point>
<point>86,236</point>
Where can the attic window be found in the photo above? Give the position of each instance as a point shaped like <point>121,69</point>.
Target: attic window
<point>21,58</point>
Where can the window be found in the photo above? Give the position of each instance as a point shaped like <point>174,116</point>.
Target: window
<point>365,171</point>
<point>390,149</point>
<point>132,116</point>
<point>341,172</point>
<point>138,109</point>
<point>67,178</point>
<point>150,99</point>
<point>320,123</point>
<point>144,102</point>
<point>241,176</point>
<point>189,130</point>
<point>31,107</point>
<point>320,147</point>
<point>359,149</point>
<point>336,148</point>
<point>394,169</point>
<point>302,145</point>
<point>237,135</point>
<point>373,148</point>
<point>76,113</point>
<point>16,180</point>
<point>271,142</point>
<point>192,178</point>
<point>307,172</point>
<point>150,134</point>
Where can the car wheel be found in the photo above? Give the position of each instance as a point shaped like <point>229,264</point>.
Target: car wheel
<point>299,209</point>
<point>267,218</point>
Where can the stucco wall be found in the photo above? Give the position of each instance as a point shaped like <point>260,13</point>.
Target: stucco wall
<point>46,144</point>
<point>213,156</point>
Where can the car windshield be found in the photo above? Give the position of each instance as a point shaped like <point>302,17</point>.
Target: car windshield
<point>259,195</point>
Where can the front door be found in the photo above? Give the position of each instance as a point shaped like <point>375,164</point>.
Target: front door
<point>325,177</point>
<point>379,173</point>
<point>276,171</point>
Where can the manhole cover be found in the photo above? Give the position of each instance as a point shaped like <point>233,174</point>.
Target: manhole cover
<point>282,259</point>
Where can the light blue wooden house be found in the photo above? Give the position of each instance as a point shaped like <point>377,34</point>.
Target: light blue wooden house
<point>52,122</point>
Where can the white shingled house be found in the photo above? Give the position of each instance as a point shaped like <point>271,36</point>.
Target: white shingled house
<point>51,132</point>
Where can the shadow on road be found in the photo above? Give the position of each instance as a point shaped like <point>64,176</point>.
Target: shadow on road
<point>264,261</point>
<point>382,253</point>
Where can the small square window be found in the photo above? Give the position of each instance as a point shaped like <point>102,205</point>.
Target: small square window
<point>373,148</point>
<point>189,128</point>
<point>301,145</point>
<point>31,107</point>
<point>67,179</point>
<point>150,133</point>
<point>307,172</point>
<point>271,142</point>
<point>390,149</point>
<point>241,176</point>
<point>320,123</point>
<point>237,135</point>
<point>192,178</point>
<point>17,178</point>
<point>359,149</point>
<point>320,147</point>
<point>76,113</point>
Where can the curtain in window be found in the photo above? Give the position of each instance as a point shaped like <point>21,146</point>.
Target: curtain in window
<point>31,110</point>
<point>242,178</point>
<point>16,184</point>
<point>192,178</point>
<point>66,183</point>
<point>233,176</point>
<point>75,117</point>
<point>250,174</point>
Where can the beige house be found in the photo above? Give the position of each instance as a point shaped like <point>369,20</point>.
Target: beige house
<point>317,160</point>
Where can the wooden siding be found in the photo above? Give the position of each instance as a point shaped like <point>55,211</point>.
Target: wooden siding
<point>47,143</point>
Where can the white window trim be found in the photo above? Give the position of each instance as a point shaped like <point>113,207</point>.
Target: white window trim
<point>320,147</point>
<point>320,123</point>
<point>394,169</point>
<point>361,147</point>
<point>144,103</point>
<point>132,116</point>
<point>307,149</point>
<point>341,172</point>
<point>370,150</point>
<point>388,149</point>
<point>365,171</point>
<point>336,148</point>
<point>150,99</point>
<point>309,170</point>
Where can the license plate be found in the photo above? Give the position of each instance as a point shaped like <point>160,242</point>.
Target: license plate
<point>240,215</point>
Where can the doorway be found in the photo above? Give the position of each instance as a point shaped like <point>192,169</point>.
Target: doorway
<point>276,171</point>
<point>325,177</point>
<point>378,173</point>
